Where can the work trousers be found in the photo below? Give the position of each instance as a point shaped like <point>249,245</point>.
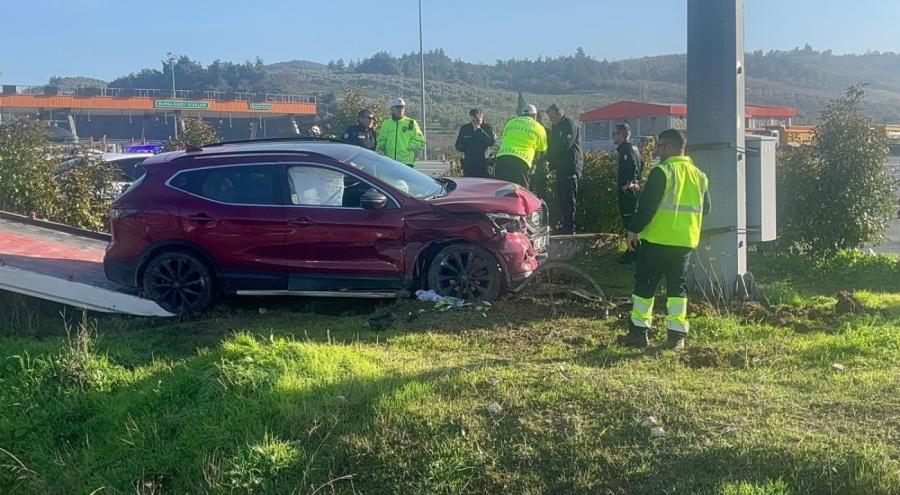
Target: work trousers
<point>512,169</point>
<point>655,261</point>
<point>567,194</point>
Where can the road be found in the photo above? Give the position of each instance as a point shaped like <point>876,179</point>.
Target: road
<point>892,245</point>
<point>434,168</point>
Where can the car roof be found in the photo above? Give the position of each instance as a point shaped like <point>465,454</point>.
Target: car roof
<point>113,157</point>
<point>331,149</point>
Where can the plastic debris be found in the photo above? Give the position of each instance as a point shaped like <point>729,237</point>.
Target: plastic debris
<point>494,408</point>
<point>648,422</point>
<point>657,432</point>
<point>838,367</point>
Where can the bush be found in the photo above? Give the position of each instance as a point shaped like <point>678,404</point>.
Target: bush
<point>49,181</point>
<point>194,132</point>
<point>835,193</point>
<point>598,197</point>
<point>27,168</point>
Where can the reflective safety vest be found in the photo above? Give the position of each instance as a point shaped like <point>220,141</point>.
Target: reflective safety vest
<point>523,137</point>
<point>678,219</point>
<point>400,139</point>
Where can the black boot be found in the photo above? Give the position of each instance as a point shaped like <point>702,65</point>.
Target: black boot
<point>675,340</point>
<point>636,338</point>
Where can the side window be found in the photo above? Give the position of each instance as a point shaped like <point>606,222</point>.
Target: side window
<point>131,168</point>
<point>241,185</point>
<point>317,186</point>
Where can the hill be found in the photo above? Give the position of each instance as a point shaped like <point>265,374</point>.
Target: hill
<point>803,78</point>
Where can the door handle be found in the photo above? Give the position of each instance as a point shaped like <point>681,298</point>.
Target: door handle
<point>301,222</point>
<point>201,218</point>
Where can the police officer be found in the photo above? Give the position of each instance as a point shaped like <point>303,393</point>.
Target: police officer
<point>631,167</point>
<point>473,141</point>
<point>523,137</point>
<point>667,225</point>
<point>400,136</point>
<point>565,155</point>
<point>362,133</point>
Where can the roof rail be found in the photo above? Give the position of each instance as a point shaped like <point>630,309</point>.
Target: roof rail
<point>280,139</point>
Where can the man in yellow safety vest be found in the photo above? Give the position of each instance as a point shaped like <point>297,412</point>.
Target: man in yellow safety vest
<point>523,137</point>
<point>667,225</point>
<point>400,137</point>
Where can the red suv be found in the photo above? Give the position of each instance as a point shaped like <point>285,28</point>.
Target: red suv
<point>316,218</point>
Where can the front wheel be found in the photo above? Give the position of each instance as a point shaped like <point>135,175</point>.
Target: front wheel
<point>179,282</point>
<point>465,271</point>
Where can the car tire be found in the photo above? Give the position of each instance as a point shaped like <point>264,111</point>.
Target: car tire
<point>465,271</point>
<point>179,282</point>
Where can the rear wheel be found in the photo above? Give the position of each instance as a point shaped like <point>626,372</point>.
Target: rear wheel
<point>179,282</point>
<point>465,271</point>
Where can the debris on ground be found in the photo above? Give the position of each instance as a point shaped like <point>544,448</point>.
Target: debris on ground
<point>648,422</point>
<point>657,432</point>
<point>847,303</point>
<point>494,408</point>
<point>340,400</point>
<point>838,367</point>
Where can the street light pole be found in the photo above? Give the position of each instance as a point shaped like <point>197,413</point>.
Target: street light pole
<point>172,59</point>
<point>422,57</point>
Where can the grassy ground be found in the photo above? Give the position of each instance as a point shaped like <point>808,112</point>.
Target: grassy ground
<point>298,396</point>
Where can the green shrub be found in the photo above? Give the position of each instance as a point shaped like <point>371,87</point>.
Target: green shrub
<point>194,132</point>
<point>598,197</point>
<point>27,169</point>
<point>835,193</point>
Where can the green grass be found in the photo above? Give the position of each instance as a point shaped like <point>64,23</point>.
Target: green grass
<point>303,398</point>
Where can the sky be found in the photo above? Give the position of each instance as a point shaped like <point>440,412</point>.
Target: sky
<point>105,39</point>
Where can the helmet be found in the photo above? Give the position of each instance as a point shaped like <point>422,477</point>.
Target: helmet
<point>398,102</point>
<point>315,131</point>
<point>529,110</point>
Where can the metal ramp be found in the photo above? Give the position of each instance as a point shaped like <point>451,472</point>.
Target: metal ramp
<point>63,264</point>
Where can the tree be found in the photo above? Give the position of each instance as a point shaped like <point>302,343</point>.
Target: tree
<point>836,193</point>
<point>354,100</point>
<point>195,132</point>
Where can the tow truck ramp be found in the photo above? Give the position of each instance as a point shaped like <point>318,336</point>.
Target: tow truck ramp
<point>63,264</point>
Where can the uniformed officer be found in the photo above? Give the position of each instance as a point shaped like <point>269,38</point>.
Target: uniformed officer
<point>362,133</point>
<point>631,167</point>
<point>667,225</point>
<point>473,141</point>
<point>567,159</point>
<point>523,137</point>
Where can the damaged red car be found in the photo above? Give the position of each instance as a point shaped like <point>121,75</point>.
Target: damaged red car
<point>316,218</point>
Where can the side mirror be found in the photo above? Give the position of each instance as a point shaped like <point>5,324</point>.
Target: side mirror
<point>373,200</point>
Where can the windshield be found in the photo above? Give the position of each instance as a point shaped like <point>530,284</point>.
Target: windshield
<point>398,175</point>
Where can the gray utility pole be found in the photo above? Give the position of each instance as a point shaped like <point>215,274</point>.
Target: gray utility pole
<point>172,59</point>
<point>715,102</point>
<point>422,57</point>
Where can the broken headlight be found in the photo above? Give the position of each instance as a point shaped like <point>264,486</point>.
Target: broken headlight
<point>507,222</point>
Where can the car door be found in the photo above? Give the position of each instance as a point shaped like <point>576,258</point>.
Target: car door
<point>332,242</point>
<point>236,214</point>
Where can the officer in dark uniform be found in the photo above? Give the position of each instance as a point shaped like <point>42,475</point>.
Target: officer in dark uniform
<point>362,134</point>
<point>473,141</point>
<point>566,158</point>
<point>629,180</point>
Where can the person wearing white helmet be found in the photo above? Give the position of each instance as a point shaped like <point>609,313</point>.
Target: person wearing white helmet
<point>314,131</point>
<point>523,137</point>
<point>400,137</point>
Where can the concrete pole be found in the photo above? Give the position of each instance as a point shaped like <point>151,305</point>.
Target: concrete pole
<point>422,61</point>
<point>715,101</point>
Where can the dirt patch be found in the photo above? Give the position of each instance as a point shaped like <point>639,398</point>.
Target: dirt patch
<point>754,311</point>
<point>702,308</point>
<point>847,304</point>
<point>701,357</point>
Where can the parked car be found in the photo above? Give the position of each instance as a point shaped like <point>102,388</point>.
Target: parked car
<point>316,218</point>
<point>127,165</point>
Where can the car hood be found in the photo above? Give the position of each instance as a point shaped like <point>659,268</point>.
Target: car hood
<point>488,196</point>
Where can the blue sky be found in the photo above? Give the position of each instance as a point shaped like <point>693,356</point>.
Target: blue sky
<point>109,38</point>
